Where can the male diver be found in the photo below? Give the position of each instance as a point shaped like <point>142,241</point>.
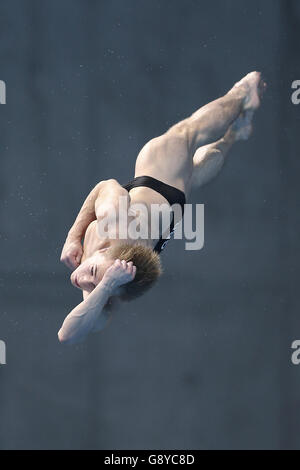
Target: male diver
<point>110,269</point>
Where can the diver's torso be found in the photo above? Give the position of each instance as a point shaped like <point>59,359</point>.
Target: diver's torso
<point>141,195</point>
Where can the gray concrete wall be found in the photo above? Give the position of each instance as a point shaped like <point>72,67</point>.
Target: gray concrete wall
<point>203,360</point>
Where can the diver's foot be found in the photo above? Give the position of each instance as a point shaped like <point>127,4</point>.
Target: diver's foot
<point>253,86</point>
<point>241,128</point>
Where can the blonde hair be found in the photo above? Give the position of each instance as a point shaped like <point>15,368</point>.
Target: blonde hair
<point>148,269</point>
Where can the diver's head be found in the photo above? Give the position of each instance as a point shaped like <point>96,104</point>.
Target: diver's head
<point>89,273</point>
<point>148,269</point>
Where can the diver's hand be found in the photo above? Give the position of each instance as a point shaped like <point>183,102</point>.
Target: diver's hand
<point>71,253</point>
<point>119,273</point>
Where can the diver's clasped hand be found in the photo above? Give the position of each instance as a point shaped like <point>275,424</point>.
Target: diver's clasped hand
<point>71,253</point>
<point>119,273</point>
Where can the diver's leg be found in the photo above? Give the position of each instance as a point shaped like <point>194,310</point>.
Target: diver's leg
<point>169,157</point>
<point>209,159</point>
<point>211,122</point>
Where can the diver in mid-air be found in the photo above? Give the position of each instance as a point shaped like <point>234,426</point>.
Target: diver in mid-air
<point>109,269</point>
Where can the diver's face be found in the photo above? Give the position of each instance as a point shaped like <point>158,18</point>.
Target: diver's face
<point>88,275</point>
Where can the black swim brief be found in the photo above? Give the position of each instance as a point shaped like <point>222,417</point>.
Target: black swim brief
<point>171,194</point>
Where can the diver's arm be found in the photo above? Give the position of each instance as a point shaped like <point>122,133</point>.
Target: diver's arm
<point>72,249</point>
<point>86,215</point>
<point>107,205</point>
<point>106,315</point>
<point>83,318</point>
<point>103,200</point>
<point>85,294</point>
<point>87,315</point>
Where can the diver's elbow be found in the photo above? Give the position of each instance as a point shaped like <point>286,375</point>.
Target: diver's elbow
<point>64,338</point>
